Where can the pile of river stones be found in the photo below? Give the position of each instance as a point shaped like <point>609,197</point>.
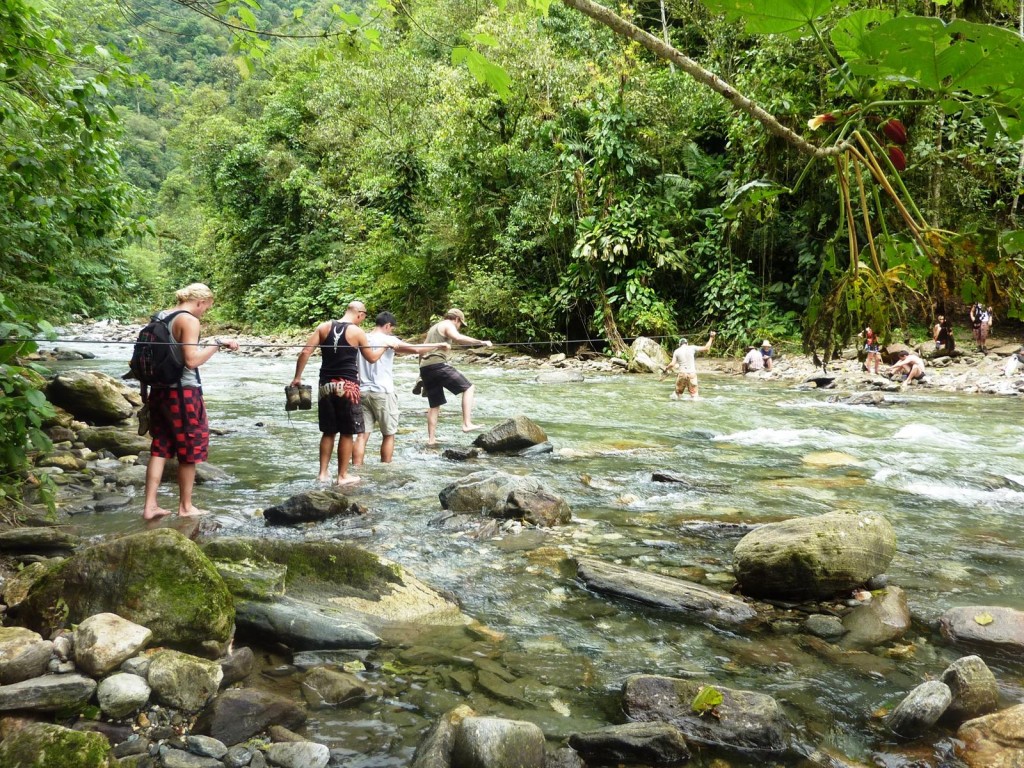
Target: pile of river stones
<point>123,651</point>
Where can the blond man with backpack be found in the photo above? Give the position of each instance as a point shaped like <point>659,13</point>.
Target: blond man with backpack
<point>166,361</point>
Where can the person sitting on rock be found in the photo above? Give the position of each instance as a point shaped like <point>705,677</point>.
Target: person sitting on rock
<point>754,361</point>
<point>912,364</point>
<point>768,354</point>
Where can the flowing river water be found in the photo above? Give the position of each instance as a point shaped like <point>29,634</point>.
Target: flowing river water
<point>945,469</point>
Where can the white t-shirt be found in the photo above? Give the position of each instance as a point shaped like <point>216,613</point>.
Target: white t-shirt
<point>754,360</point>
<point>379,376</point>
<point>684,358</point>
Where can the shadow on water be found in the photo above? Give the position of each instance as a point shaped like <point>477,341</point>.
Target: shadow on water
<point>944,469</point>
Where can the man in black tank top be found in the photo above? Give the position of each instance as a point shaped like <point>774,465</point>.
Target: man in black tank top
<point>339,411</point>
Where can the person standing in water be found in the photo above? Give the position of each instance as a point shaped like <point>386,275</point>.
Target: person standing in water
<point>437,375</point>
<point>377,386</point>
<point>339,410</point>
<point>177,414</point>
<point>684,363</point>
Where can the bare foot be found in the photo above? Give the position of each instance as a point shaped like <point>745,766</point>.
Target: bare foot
<point>323,479</point>
<point>155,513</point>
<point>471,427</point>
<point>350,480</point>
<point>192,511</point>
<point>434,443</point>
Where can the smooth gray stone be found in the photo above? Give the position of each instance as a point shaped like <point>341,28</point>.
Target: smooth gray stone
<point>298,754</point>
<point>664,592</point>
<point>641,743</point>
<point>511,435</point>
<point>974,688</point>
<point>494,742</point>
<point>1005,633</point>
<point>920,710</point>
<point>302,625</point>
<point>48,693</point>
<point>38,539</point>
<point>179,758</point>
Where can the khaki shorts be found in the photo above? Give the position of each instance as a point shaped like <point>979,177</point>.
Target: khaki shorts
<point>380,409</point>
<point>686,380</point>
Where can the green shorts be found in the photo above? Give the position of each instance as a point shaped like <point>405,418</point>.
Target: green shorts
<point>380,409</point>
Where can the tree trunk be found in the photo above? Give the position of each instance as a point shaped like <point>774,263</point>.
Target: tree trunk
<point>668,40</point>
<point>611,329</point>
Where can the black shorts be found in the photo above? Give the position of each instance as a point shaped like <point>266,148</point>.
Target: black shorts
<point>339,415</point>
<point>439,377</point>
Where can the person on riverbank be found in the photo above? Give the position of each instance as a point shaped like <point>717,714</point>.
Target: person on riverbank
<point>684,363</point>
<point>754,360</point>
<point>177,413</point>
<point>767,354</point>
<point>437,375</point>
<point>942,335</point>
<point>339,409</point>
<point>911,364</point>
<point>981,323</point>
<point>874,357</point>
<point>377,386</point>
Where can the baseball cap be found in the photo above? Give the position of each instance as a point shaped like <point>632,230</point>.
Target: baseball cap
<point>683,340</point>
<point>456,314</point>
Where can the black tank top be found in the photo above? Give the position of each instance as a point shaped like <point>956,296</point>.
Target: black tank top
<point>339,357</point>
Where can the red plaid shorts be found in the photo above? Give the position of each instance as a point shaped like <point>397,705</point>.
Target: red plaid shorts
<point>177,422</point>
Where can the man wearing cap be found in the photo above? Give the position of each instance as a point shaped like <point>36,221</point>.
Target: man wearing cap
<point>683,362</point>
<point>437,375</point>
<point>377,386</point>
<point>767,353</point>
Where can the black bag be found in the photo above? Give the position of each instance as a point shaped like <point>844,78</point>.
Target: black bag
<point>153,361</point>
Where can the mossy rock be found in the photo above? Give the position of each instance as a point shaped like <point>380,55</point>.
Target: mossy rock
<point>42,745</point>
<point>314,568</point>
<point>815,557</point>
<point>159,579</point>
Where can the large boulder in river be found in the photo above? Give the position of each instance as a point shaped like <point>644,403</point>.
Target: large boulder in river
<point>814,557</point>
<point>501,495</point>
<point>312,506</point>
<point>742,720</point>
<point>511,435</point>
<point>985,627</point>
<point>158,579</point>
<point>974,688</point>
<point>994,741</point>
<point>647,356</point>
<point>336,595</point>
<point>90,396</point>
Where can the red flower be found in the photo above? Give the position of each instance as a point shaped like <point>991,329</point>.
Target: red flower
<point>895,131</point>
<point>819,120</point>
<point>896,156</point>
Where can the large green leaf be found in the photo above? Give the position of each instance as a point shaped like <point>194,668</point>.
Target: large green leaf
<point>774,17</point>
<point>848,33</point>
<point>943,58</point>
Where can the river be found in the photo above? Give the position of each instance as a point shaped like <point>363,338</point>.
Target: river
<point>945,469</point>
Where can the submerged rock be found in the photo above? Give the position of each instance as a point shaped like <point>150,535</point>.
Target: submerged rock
<point>743,720</point>
<point>312,506</point>
<point>664,592</point>
<point>885,618</point>
<point>632,743</point>
<point>814,557</point>
<point>501,495</point>
<point>237,714</point>
<point>988,627</point>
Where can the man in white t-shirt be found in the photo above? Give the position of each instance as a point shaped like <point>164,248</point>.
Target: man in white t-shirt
<point>683,362</point>
<point>754,361</point>
<point>377,386</point>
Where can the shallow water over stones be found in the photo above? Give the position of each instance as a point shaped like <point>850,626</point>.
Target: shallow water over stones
<point>944,469</point>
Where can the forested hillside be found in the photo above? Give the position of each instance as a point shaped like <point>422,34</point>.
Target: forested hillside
<point>606,193</point>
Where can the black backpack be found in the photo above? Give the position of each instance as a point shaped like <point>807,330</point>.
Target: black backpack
<point>153,361</point>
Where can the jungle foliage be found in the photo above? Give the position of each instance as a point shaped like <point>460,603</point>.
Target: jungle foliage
<point>554,179</point>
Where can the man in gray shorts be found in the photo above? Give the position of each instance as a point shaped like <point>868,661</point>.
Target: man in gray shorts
<point>377,386</point>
